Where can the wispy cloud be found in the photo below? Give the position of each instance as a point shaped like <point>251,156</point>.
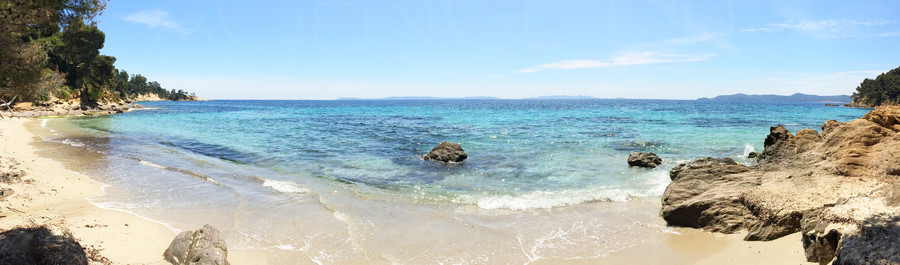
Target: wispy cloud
<point>158,19</point>
<point>623,59</point>
<point>832,28</point>
<point>702,37</point>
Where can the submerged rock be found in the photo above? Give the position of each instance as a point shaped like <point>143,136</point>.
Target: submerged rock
<point>200,247</point>
<point>647,160</point>
<point>447,152</point>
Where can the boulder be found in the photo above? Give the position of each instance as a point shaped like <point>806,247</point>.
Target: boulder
<point>706,194</point>
<point>447,152</point>
<point>647,160</point>
<point>200,247</point>
<point>40,245</point>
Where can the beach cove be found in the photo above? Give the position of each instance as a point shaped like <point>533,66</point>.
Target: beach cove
<point>339,219</point>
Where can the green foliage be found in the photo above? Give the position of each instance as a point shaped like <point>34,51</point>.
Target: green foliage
<point>883,90</point>
<point>52,47</point>
<point>23,23</point>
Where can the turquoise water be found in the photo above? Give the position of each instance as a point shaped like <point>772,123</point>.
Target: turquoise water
<point>233,162</point>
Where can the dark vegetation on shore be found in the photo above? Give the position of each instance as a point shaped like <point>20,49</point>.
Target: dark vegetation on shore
<point>50,49</point>
<point>883,90</point>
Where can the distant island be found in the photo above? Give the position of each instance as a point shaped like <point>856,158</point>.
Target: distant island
<point>445,98</point>
<point>798,97</point>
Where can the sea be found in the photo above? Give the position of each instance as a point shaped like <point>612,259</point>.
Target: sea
<point>344,182</point>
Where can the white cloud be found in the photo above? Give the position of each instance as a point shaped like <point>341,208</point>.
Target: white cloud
<point>623,59</point>
<point>831,28</point>
<point>157,19</point>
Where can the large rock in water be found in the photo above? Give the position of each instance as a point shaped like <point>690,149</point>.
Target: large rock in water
<point>640,159</point>
<point>839,188</point>
<point>447,152</point>
<point>200,247</point>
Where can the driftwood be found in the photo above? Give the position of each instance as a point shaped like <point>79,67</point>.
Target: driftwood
<point>8,106</point>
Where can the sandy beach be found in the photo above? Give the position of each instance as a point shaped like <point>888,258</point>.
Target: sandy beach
<point>50,194</point>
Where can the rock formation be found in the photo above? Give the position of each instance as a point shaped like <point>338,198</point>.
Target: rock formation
<point>840,188</point>
<point>200,247</point>
<point>647,160</point>
<point>447,152</point>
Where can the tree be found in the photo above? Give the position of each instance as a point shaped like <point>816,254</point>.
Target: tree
<point>22,24</point>
<point>883,90</point>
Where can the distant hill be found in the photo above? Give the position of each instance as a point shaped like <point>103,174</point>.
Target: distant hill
<point>798,97</point>
<point>415,98</point>
<point>563,97</point>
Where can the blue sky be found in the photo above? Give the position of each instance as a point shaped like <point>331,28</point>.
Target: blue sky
<point>507,49</point>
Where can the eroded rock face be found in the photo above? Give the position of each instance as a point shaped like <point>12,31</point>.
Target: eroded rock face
<point>839,188</point>
<point>646,160</point>
<point>200,247</point>
<point>447,152</point>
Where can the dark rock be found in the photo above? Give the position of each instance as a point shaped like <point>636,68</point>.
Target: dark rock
<point>200,247</point>
<point>752,155</point>
<point>648,160</point>
<point>877,242</point>
<point>447,152</point>
<point>40,245</point>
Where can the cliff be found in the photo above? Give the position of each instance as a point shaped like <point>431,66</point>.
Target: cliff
<point>840,188</point>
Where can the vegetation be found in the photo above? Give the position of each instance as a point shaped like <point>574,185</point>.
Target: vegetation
<point>51,48</point>
<point>883,90</point>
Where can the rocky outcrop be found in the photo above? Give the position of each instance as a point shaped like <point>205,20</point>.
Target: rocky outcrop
<point>840,188</point>
<point>200,247</point>
<point>447,152</point>
<point>647,160</point>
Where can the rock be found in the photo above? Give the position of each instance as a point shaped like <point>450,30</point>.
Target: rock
<point>200,247</point>
<point>447,152</point>
<point>647,160</point>
<point>705,194</point>
<point>839,188</point>
<point>40,245</point>
<point>753,155</point>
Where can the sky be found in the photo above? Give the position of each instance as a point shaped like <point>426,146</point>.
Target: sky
<point>507,49</point>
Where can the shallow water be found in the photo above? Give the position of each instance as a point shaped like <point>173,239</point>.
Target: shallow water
<point>342,181</point>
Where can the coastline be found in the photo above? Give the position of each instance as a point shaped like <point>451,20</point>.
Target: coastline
<point>49,194</point>
<point>53,195</point>
<point>59,196</point>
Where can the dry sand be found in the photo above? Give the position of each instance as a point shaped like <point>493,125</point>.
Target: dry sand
<point>55,195</point>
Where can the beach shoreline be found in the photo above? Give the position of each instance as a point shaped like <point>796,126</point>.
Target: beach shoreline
<point>59,196</point>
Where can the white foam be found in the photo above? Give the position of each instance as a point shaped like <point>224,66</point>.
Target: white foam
<point>149,164</point>
<point>747,149</point>
<point>284,186</point>
<point>44,123</point>
<point>549,199</point>
<point>72,142</point>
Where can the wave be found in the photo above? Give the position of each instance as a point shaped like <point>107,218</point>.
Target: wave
<point>550,199</point>
<point>281,186</point>
<point>284,186</point>
<point>194,174</point>
<point>67,141</point>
